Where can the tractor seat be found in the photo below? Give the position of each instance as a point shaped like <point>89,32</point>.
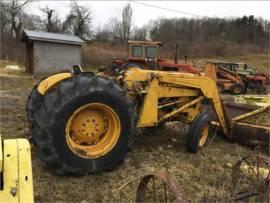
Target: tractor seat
<point>151,63</point>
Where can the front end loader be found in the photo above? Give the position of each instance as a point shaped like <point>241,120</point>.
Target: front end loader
<point>84,122</point>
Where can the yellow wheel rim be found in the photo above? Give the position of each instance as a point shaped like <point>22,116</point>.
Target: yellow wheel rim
<point>93,130</point>
<point>204,136</point>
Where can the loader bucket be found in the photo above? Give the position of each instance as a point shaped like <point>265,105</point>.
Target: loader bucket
<point>250,124</point>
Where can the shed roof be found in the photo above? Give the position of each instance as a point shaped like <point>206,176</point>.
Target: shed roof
<point>144,42</point>
<point>29,35</point>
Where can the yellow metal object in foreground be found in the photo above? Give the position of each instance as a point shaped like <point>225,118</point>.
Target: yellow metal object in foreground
<point>16,171</point>
<point>93,130</point>
<point>49,82</point>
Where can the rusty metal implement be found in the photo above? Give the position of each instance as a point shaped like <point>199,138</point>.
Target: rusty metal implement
<point>159,187</point>
<point>251,179</point>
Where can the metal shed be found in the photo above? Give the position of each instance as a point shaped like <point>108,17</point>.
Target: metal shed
<point>50,52</point>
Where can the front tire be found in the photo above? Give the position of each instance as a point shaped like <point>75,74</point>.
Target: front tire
<point>237,89</point>
<point>84,125</point>
<point>199,132</point>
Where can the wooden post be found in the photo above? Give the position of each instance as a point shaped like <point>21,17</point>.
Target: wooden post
<point>185,59</point>
<point>29,55</point>
<point>27,58</point>
<point>176,53</point>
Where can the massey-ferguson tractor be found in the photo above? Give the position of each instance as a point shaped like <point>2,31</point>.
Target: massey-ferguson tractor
<point>146,55</point>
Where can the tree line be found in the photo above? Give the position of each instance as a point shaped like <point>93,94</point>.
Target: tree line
<point>14,19</point>
<point>215,33</point>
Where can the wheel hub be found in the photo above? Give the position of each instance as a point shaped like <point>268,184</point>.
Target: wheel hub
<point>204,136</point>
<point>237,90</point>
<point>89,126</point>
<point>93,130</point>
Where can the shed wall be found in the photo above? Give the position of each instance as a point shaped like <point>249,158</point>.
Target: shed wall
<point>53,57</point>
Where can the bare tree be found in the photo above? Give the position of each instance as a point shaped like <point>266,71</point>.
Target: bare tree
<point>52,23</point>
<point>3,18</point>
<point>115,27</point>
<point>78,21</point>
<point>112,31</point>
<point>102,34</point>
<point>32,22</point>
<point>126,21</point>
<point>14,12</point>
<point>117,30</point>
<point>139,33</point>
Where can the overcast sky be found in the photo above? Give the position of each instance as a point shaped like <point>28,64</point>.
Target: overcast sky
<point>104,10</point>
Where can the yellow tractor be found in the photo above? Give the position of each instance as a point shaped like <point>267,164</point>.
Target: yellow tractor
<point>83,122</point>
<point>16,184</point>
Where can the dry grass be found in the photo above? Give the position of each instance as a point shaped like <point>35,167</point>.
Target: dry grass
<point>196,173</point>
<point>95,55</point>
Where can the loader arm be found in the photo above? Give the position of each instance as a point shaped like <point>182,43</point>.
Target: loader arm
<point>174,84</point>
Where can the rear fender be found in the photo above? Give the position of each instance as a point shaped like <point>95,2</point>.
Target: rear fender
<point>51,81</point>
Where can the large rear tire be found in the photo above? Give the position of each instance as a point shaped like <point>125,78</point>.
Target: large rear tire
<point>84,125</point>
<point>34,101</point>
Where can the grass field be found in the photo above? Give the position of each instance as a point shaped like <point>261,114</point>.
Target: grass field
<point>199,175</point>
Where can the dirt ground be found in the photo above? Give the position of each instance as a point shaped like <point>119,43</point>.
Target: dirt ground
<point>199,175</point>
